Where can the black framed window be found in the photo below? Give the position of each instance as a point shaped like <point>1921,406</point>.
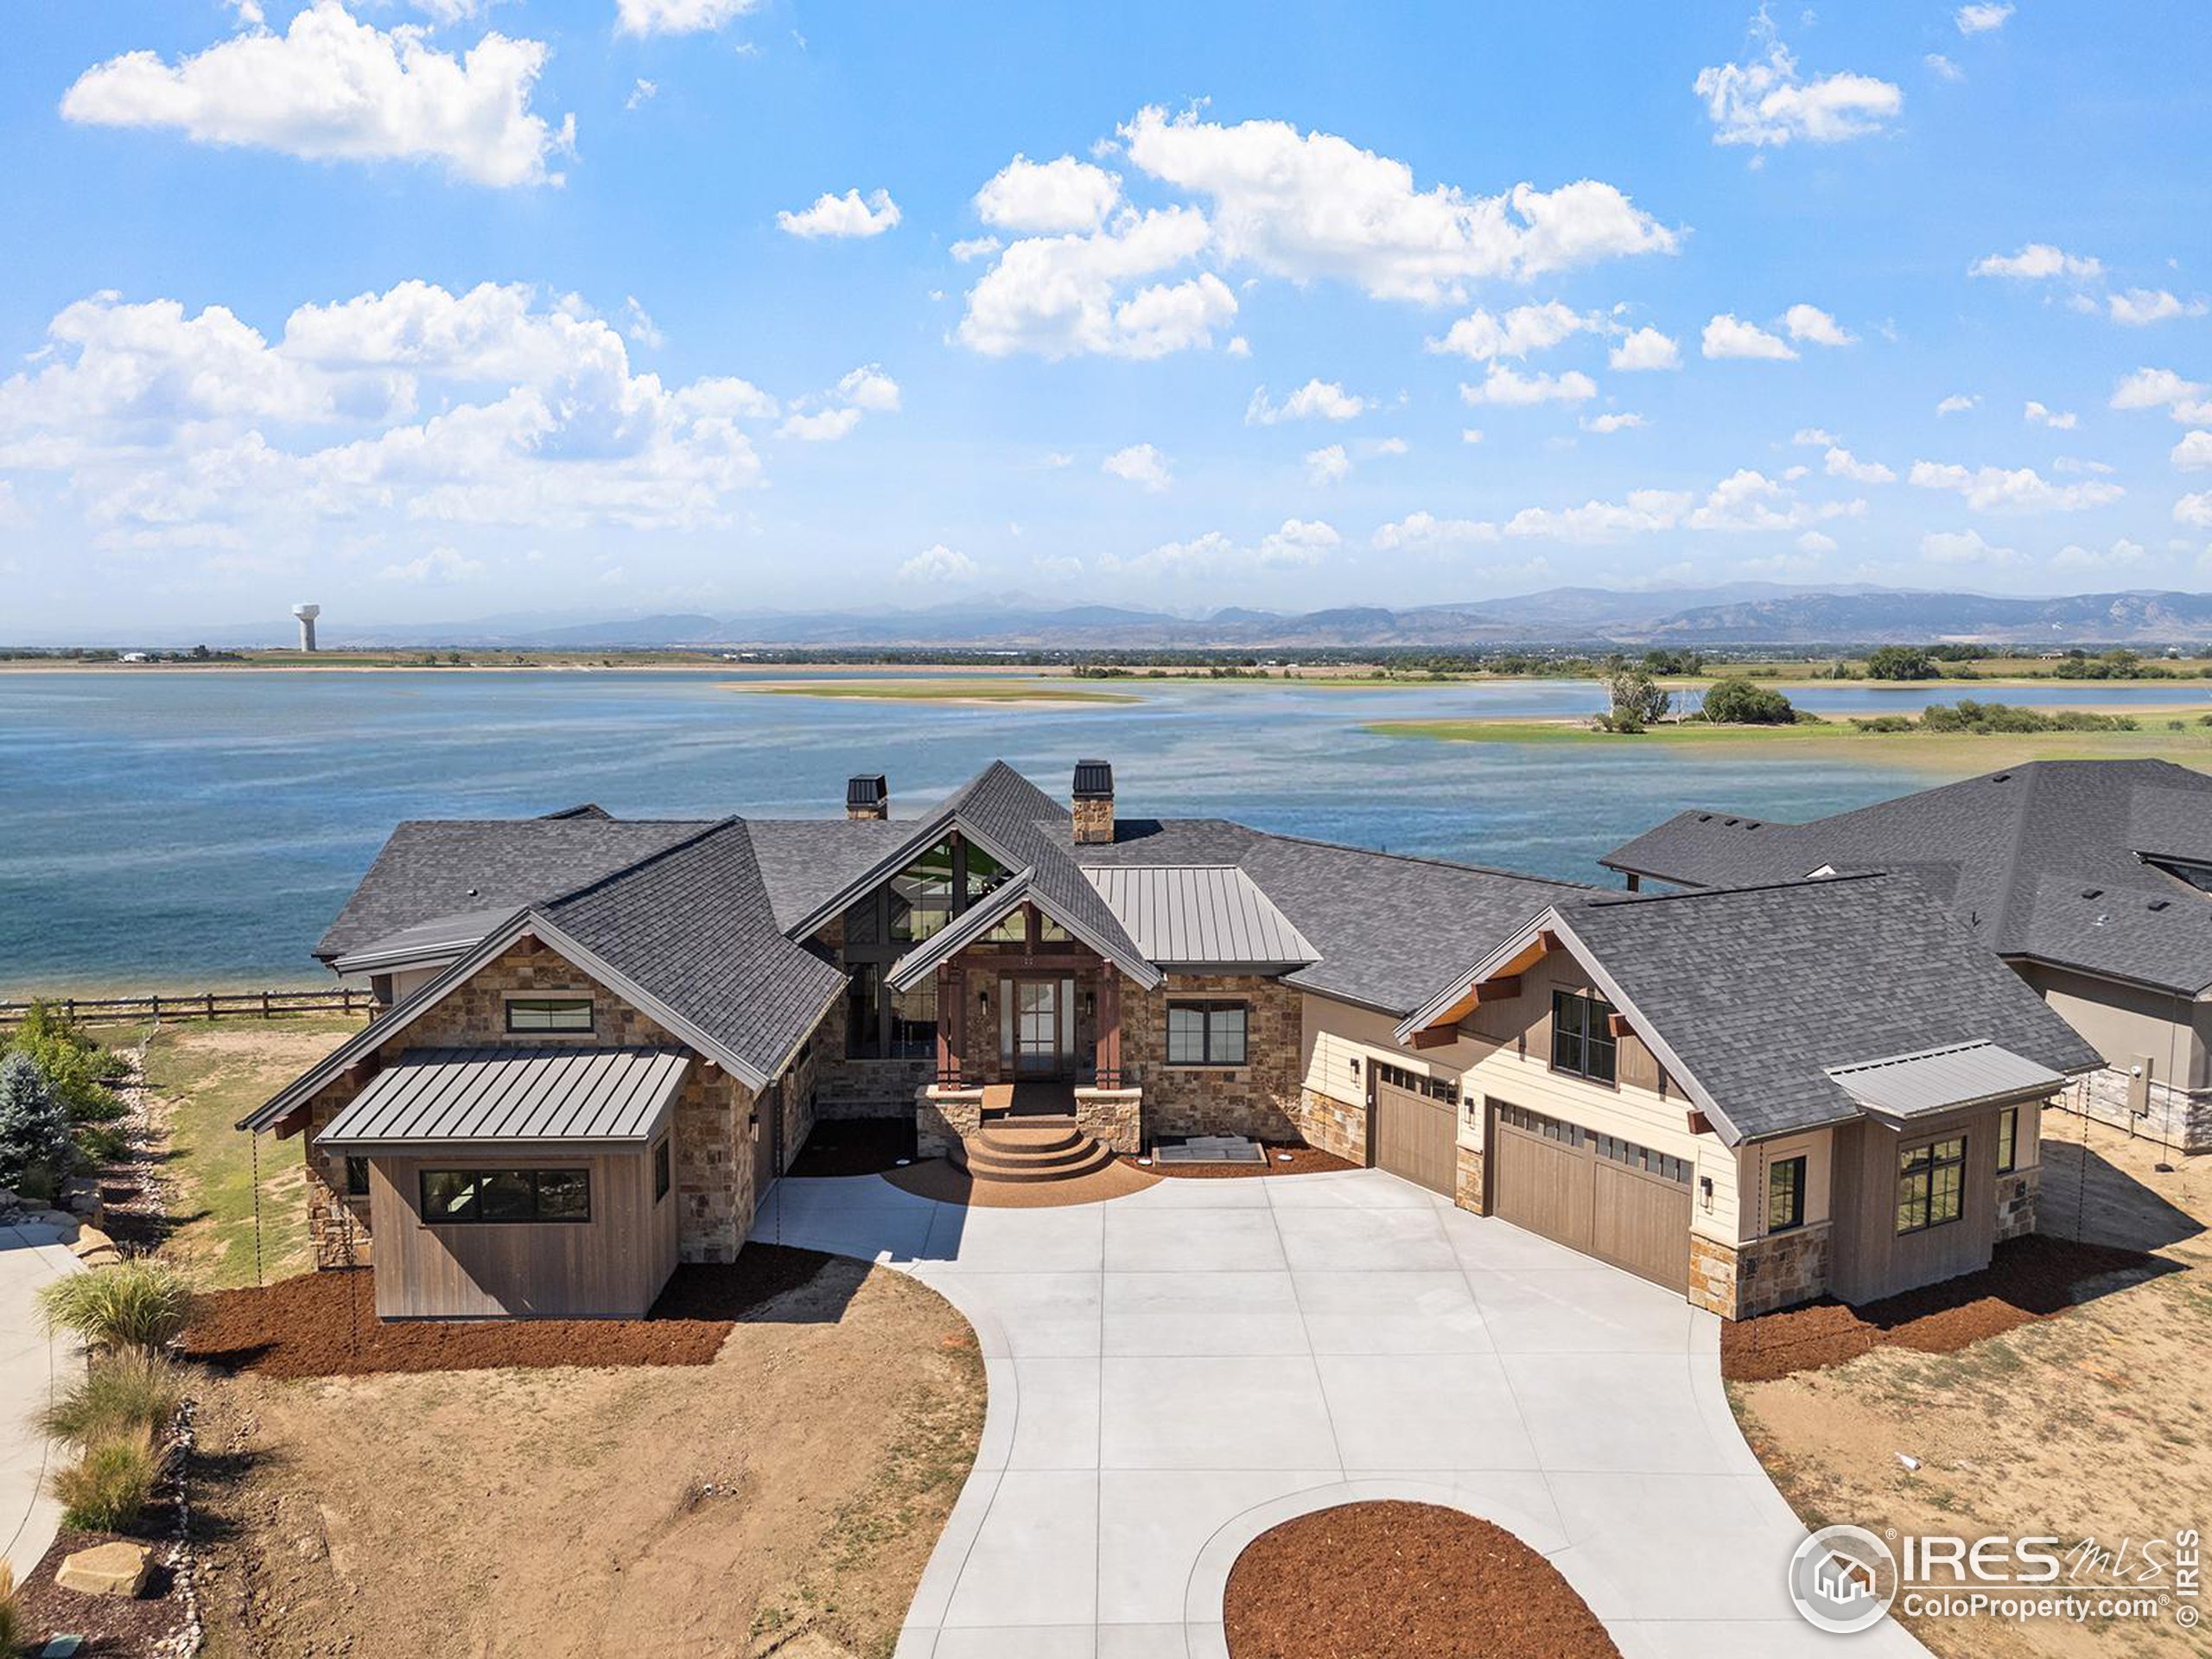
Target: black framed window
<point>1931,1185</point>
<point>1785,1194</point>
<point>922,895</point>
<point>2008,1140</point>
<point>661,1173</point>
<point>357,1176</point>
<point>453,1196</point>
<point>549,1014</point>
<point>1206,1033</point>
<point>1582,1036</point>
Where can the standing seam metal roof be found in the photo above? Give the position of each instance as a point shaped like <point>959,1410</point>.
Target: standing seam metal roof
<point>1199,914</point>
<point>487,1094</point>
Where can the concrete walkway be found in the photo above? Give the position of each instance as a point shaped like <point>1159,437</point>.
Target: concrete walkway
<point>31,1368</point>
<point>1174,1372</point>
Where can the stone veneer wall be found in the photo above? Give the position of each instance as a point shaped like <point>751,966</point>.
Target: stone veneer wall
<point>1261,1099</point>
<point>1093,821</point>
<point>2016,1202</point>
<point>2181,1118</point>
<point>714,1155</point>
<point>1738,1280</point>
<point>1467,1191</point>
<point>1338,1126</point>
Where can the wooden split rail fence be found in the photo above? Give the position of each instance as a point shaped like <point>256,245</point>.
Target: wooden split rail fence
<point>197,1004</point>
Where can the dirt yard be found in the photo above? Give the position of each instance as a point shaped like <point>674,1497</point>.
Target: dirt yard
<point>2093,1423</point>
<point>782,1499</point>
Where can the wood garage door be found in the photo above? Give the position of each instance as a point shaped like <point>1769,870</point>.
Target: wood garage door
<point>1598,1193</point>
<point>1417,1129</point>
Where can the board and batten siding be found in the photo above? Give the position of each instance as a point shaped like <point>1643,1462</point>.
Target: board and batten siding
<point>610,1267</point>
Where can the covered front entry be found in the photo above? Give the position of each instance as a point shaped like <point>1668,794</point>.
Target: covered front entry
<point>1598,1193</point>
<point>1037,1027</point>
<point>1416,1128</point>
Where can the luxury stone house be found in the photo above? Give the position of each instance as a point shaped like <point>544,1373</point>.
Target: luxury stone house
<point>601,1039</point>
<point>2092,877</point>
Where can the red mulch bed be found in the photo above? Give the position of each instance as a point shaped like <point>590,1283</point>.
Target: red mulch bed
<point>325,1323</point>
<point>2027,1280</point>
<point>1394,1580</point>
<point>1304,1160</point>
<point>855,1146</point>
<point>113,1627</point>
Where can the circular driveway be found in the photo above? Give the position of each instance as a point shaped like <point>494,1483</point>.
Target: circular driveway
<point>1174,1372</point>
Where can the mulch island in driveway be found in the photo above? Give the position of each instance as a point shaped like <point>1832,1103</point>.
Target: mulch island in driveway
<point>2027,1279</point>
<point>325,1323</point>
<point>1395,1580</point>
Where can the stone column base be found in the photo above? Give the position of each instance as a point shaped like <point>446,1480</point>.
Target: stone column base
<point>1113,1117</point>
<point>1737,1280</point>
<point>2016,1202</point>
<point>1334,1126</point>
<point>1468,1194</point>
<point>943,1117</point>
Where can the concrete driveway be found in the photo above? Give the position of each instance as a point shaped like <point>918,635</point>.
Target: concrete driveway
<point>1174,1372</point>
<point>31,1368</point>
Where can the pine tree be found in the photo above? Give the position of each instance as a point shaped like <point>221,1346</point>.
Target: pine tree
<point>34,1124</point>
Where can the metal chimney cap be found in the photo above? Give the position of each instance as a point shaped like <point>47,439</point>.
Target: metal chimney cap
<point>867,789</point>
<point>1094,780</point>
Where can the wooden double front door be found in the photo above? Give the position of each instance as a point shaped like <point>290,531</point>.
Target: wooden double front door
<point>1037,1025</point>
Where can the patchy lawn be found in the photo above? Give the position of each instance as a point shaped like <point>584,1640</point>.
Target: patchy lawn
<point>783,1498</point>
<point>2090,1423</point>
<point>203,1077</point>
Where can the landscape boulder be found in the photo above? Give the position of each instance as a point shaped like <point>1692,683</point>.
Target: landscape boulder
<point>115,1569</point>
<point>94,1248</point>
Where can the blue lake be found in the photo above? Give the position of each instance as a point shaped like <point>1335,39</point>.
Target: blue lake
<point>183,828</point>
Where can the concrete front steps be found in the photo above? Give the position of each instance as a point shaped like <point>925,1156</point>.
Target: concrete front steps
<point>1032,1149</point>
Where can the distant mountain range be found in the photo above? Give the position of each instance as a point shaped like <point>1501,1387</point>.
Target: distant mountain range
<point>1736,614</point>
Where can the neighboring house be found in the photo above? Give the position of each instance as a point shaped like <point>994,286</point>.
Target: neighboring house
<point>2092,877</point>
<point>601,1039</point>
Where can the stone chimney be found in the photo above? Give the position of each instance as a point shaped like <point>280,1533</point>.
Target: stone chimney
<point>867,796</point>
<point>1093,802</point>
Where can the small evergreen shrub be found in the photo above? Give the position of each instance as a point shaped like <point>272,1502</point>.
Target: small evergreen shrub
<point>34,1124</point>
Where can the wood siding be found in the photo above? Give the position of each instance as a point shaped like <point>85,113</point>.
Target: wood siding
<point>1869,1258</point>
<point>610,1267</point>
<point>1416,1137</point>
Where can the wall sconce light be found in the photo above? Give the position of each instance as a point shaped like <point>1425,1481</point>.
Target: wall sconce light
<point>1091,1003</point>
<point>983,997</point>
<point>1355,1066</point>
<point>1705,1190</point>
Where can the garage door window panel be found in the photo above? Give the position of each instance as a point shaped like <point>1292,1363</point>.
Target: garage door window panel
<point>1582,1036</point>
<point>1931,1185</point>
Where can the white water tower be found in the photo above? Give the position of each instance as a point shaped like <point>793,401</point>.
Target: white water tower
<point>306,613</point>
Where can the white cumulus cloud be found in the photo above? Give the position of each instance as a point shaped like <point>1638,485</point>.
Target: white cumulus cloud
<point>1328,465</point>
<point>2185,400</point>
<point>1066,194</point>
<point>842,216</point>
<point>1502,386</point>
<point>1964,547</point>
<point>1318,399</point>
<point>2195,510</point>
<point>2140,307</point>
<point>1606,424</point>
<point>1767,102</point>
<point>1519,331</point>
<point>2194,453</point>
<point>2060,420</point>
<point>676,16</point>
<point>2037,262</point>
<point>938,564</point>
<point>332,88</point>
<point>1645,349</point>
<point>1067,296</point>
<point>1980,19</point>
<point>1811,324</point>
<point>1140,464</point>
<point>1297,542</point>
<point>1958,403</point>
<point>2018,489</point>
<point>1729,336</point>
<point>1842,463</point>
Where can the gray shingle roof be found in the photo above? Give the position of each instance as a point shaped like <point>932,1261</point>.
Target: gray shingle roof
<point>2014,854</point>
<point>1391,929</point>
<point>1759,991</point>
<point>1191,914</point>
<point>431,868</point>
<point>805,861</point>
<point>484,1095</point>
<point>694,927</point>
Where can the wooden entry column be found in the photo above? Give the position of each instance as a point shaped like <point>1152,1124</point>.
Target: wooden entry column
<point>951,1023</point>
<point>1108,1059</point>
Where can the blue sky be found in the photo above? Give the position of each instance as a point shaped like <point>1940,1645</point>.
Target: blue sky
<point>435,310</point>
